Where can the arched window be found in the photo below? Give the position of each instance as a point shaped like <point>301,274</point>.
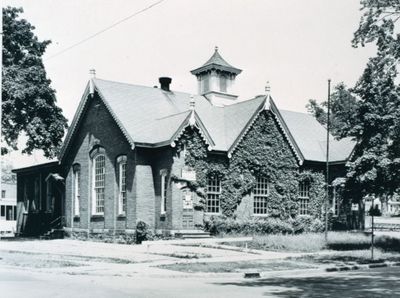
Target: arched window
<point>99,177</point>
<point>121,168</point>
<point>164,189</point>
<point>76,188</point>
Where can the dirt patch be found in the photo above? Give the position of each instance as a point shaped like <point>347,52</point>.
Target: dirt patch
<point>184,255</point>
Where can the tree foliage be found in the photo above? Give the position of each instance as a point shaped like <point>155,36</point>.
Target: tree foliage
<point>7,176</point>
<point>343,108</point>
<point>375,166</point>
<point>29,103</point>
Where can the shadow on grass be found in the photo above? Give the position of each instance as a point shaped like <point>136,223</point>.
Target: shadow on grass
<point>377,283</point>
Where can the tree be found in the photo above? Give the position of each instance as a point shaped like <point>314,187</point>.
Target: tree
<point>7,176</point>
<point>29,103</point>
<point>343,108</point>
<point>375,166</point>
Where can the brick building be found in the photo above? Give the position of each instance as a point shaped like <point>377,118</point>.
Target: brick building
<point>170,158</point>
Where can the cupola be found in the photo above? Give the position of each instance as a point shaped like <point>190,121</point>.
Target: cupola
<point>215,80</point>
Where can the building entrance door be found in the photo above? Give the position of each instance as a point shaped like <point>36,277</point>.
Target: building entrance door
<point>187,214</point>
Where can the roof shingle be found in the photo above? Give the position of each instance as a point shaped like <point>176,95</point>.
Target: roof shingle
<point>152,117</point>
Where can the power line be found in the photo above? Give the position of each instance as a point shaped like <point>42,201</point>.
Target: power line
<point>104,30</point>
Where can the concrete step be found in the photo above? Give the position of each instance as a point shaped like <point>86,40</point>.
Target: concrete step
<point>53,234</point>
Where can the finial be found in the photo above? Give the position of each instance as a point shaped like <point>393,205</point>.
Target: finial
<point>92,73</point>
<point>192,103</point>
<point>192,119</point>
<point>216,48</point>
<point>267,88</point>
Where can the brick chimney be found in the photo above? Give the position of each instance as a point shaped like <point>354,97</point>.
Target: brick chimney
<point>164,83</point>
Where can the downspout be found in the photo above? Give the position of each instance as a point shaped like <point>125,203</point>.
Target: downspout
<point>72,205</point>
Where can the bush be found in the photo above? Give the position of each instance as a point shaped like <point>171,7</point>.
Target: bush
<point>307,224</point>
<point>317,226</point>
<point>338,225</point>
<point>307,242</point>
<point>143,232</point>
<point>348,241</point>
<point>387,243</point>
<point>374,211</point>
<point>268,225</point>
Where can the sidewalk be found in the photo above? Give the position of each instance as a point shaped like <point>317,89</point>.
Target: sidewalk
<point>109,259</point>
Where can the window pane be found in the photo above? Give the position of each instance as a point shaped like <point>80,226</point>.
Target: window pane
<point>304,197</point>
<point>99,183</point>
<point>213,195</point>
<point>164,187</point>
<point>3,211</point>
<point>260,196</point>
<point>77,182</point>
<point>122,187</point>
<point>9,213</point>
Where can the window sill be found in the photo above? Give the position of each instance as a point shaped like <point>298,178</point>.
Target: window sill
<point>212,213</point>
<point>97,217</point>
<point>260,215</point>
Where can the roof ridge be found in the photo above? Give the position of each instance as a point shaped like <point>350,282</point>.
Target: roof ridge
<point>173,115</point>
<point>303,113</point>
<point>244,101</point>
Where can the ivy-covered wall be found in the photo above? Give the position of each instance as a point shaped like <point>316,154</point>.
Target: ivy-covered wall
<point>263,151</point>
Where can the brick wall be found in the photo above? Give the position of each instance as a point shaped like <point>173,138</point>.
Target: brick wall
<point>145,197</point>
<point>97,128</point>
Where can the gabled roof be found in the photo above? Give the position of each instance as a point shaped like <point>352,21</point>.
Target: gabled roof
<point>216,62</point>
<point>310,136</point>
<point>152,117</point>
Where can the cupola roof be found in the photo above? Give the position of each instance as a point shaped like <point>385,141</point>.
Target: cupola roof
<point>216,62</point>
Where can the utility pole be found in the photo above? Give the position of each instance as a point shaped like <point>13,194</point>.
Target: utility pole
<point>372,229</point>
<point>327,160</point>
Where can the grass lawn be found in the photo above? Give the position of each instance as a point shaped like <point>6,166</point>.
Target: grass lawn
<point>315,242</point>
<point>45,260</point>
<point>350,257</point>
<point>227,267</point>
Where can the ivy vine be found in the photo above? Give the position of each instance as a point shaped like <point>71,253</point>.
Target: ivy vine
<point>263,152</point>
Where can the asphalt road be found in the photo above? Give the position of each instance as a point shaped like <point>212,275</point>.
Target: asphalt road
<point>381,282</point>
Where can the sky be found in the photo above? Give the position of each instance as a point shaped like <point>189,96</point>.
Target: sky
<point>296,45</point>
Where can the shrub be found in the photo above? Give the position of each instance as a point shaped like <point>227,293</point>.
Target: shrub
<point>268,225</point>
<point>387,243</point>
<point>295,243</point>
<point>317,226</point>
<point>143,232</point>
<point>338,225</point>
<point>348,241</point>
<point>307,224</point>
<point>374,211</point>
